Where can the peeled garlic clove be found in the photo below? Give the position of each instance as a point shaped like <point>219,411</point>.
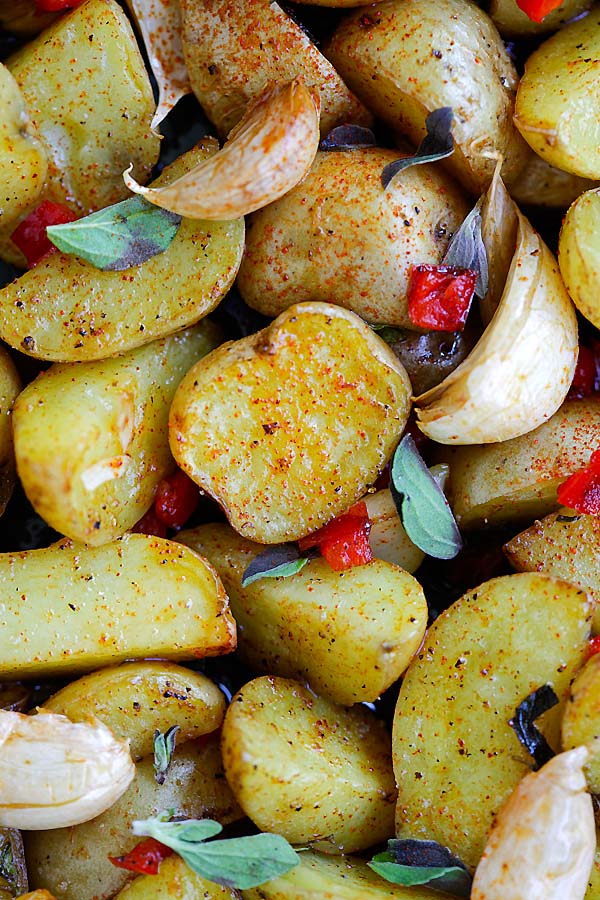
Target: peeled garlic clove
<point>55,773</point>
<point>543,842</point>
<point>521,369</point>
<point>266,155</point>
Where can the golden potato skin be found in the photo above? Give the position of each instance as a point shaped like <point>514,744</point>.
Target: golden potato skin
<point>175,880</point>
<point>557,108</point>
<point>349,634</point>
<point>92,438</point>
<point>23,161</point>
<point>516,480</point>
<point>73,862</point>
<point>541,184</point>
<point>338,237</point>
<point>581,719</point>
<point>234,49</point>
<point>315,391</point>
<point>10,385</point>
<point>579,254</point>
<point>456,759</point>
<point>66,310</point>
<point>301,766</point>
<point>136,597</point>
<point>419,55</point>
<point>136,698</point>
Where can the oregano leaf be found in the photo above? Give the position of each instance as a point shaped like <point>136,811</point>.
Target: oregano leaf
<point>279,561</point>
<point>164,747</point>
<point>348,137</point>
<point>466,249</point>
<point>523,723</point>
<point>414,862</point>
<point>437,144</point>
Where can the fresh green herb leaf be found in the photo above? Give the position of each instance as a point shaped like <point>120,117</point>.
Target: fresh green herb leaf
<point>421,504</point>
<point>437,144</point>
<point>413,862</point>
<point>466,249</point>
<point>389,333</point>
<point>240,863</point>
<point>348,137</point>
<point>279,561</point>
<point>523,723</point>
<point>118,237</point>
<point>164,746</point>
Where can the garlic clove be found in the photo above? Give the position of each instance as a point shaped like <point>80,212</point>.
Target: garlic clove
<point>266,155</point>
<point>55,773</point>
<point>521,369</point>
<point>542,844</point>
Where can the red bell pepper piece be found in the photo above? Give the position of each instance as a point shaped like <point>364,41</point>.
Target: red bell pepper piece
<point>581,491</point>
<point>145,857</point>
<point>593,646</point>
<point>344,542</point>
<point>537,10</point>
<point>585,375</point>
<point>439,297</point>
<point>43,6</point>
<point>177,497</point>
<point>30,236</point>
<point>150,524</point>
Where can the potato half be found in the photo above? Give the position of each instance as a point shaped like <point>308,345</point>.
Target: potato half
<point>558,108</point>
<point>302,767</point>
<point>10,385</point>
<point>92,438</point>
<point>254,421</point>
<point>234,49</point>
<point>67,310</point>
<point>339,237</point>
<point>581,719</point>
<point>349,634</point>
<point>579,254</point>
<point>70,608</point>
<point>456,758</point>
<point>414,56</point>
<point>541,184</point>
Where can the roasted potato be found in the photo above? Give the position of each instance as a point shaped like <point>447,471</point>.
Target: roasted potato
<point>512,22</point>
<point>339,237</point>
<point>418,55</point>
<point>302,767</point>
<point>516,480</point>
<point>581,719</point>
<point>579,254</point>
<point>70,608</point>
<point>304,395</point>
<point>227,73</point>
<point>135,699</point>
<point>456,759</point>
<point>10,385</point>
<point>349,634</point>
<point>23,17</point>
<point>67,310</point>
<point>175,880</point>
<point>541,184</point>
<point>73,862</point>
<point>557,107</point>
<point>92,438</point>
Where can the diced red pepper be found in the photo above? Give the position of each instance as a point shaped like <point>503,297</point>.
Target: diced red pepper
<point>344,542</point>
<point>439,297</point>
<point>593,646</point>
<point>145,857</point>
<point>56,5</point>
<point>150,524</point>
<point>30,236</point>
<point>581,491</point>
<point>177,497</point>
<point>537,10</point>
<point>585,375</point>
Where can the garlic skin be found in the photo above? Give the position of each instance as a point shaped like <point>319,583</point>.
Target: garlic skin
<point>543,842</point>
<point>55,773</point>
<point>267,154</point>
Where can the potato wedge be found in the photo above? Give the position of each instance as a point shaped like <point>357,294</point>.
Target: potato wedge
<point>65,309</point>
<point>579,254</point>
<point>70,608</point>
<point>581,719</point>
<point>557,109</point>
<point>302,767</point>
<point>419,55</point>
<point>228,72</point>
<point>23,160</point>
<point>135,699</point>
<point>92,438</point>
<point>541,184</point>
<point>73,862</point>
<point>516,480</point>
<point>456,758</point>
<point>318,877</point>
<point>10,385</point>
<point>304,395</point>
<point>175,880</point>
<point>520,371</point>
<point>91,130</point>
<point>339,237</point>
<point>512,22</point>
<point>565,545</point>
<point>388,539</point>
<point>349,634</point>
